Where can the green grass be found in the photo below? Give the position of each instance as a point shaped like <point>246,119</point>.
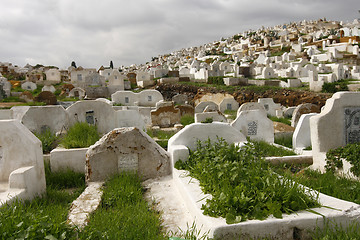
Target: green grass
<point>80,135</point>
<point>242,184</point>
<point>333,231</point>
<point>187,119</point>
<point>327,183</point>
<point>160,134</point>
<point>48,139</point>
<point>43,218</point>
<point>123,213</point>
<point>232,114</point>
<point>284,141</point>
<point>286,121</point>
<point>12,99</point>
<point>265,149</point>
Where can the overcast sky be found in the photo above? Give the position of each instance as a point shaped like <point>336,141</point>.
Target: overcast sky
<point>93,32</point>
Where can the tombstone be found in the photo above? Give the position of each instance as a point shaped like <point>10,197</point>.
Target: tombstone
<point>255,124</point>
<point>66,88</point>
<point>22,174</point>
<point>337,125</point>
<point>303,109</point>
<point>2,93</point>
<point>125,98</point>
<point>93,112</point>
<point>301,137</point>
<point>29,86</point>
<point>165,115</point>
<point>180,99</point>
<point>186,139</point>
<point>149,98</point>
<point>47,97</point>
<point>186,110</point>
<point>289,112</point>
<point>215,116</point>
<point>117,151</point>
<point>77,92</point>
<point>250,106</point>
<point>49,88</point>
<point>37,118</point>
<point>271,108</point>
<point>202,105</point>
<point>228,104</point>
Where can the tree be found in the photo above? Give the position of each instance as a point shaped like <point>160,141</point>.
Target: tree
<point>111,65</point>
<point>73,64</point>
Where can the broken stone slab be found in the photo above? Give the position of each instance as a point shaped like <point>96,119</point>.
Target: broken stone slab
<point>126,149</point>
<point>85,204</point>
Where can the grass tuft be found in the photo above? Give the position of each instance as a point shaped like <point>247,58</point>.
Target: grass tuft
<point>80,135</point>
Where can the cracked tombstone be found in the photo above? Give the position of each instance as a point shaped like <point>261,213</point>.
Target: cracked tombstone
<point>126,149</point>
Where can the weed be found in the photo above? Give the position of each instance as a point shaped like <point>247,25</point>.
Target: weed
<point>350,152</point>
<point>265,149</point>
<point>187,119</point>
<point>80,135</point>
<point>242,184</point>
<point>334,231</point>
<point>48,140</point>
<point>207,120</point>
<point>284,140</point>
<point>286,121</point>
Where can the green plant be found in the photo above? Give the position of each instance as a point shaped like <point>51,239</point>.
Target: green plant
<point>265,149</point>
<point>334,87</point>
<point>286,121</point>
<point>334,231</point>
<point>216,80</point>
<point>123,212</point>
<point>187,119</point>
<point>80,135</point>
<point>284,141</point>
<point>12,99</point>
<point>350,153</point>
<point>48,140</point>
<point>242,184</point>
<point>207,120</point>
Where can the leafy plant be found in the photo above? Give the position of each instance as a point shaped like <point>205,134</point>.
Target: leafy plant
<point>350,152</point>
<point>216,80</point>
<point>265,149</point>
<point>284,141</point>
<point>48,139</point>
<point>80,135</point>
<point>242,184</point>
<point>334,87</point>
<point>286,121</point>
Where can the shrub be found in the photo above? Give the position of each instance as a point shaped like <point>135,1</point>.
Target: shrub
<point>80,135</point>
<point>216,80</point>
<point>334,87</point>
<point>48,139</point>
<point>350,152</point>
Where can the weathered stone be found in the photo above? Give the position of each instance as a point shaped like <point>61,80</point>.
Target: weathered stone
<point>126,149</point>
<point>250,106</point>
<point>203,105</point>
<point>303,109</point>
<point>26,96</point>
<point>186,110</point>
<point>180,99</point>
<point>165,115</point>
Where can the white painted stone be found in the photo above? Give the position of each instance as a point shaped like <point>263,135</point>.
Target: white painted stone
<point>228,104</point>
<point>63,159</point>
<point>5,114</point>
<point>147,98</point>
<point>22,172</point>
<point>215,116</point>
<point>250,106</point>
<point>39,118</point>
<point>255,124</point>
<point>29,86</point>
<point>125,149</point>
<point>77,92</point>
<point>199,108</point>
<point>269,105</point>
<point>85,204</point>
<point>301,137</point>
<point>49,88</point>
<point>186,138</point>
<point>336,125</point>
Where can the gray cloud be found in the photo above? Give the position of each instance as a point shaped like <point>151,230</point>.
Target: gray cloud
<point>56,32</point>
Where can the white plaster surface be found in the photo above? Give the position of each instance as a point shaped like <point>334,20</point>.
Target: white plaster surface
<point>301,137</point>
<point>215,116</point>
<point>62,159</point>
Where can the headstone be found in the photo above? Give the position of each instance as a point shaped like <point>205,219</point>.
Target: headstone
<point>255,124</point>
<point>301,137</point>
<point>270,107</point>
<point>49,88</point>
<point>165,115</point>
<point>228,104</point>
<point>2,93</point>
<point>186,109</point>
<point>337,125</point>
<point>180,99</point>
<point>29,86</point>
<point>22,174</point>
<point>303,109</point>
<point>289,112</point>
<point>215,116</point>
<point>26,96</point>
<point>250,106</point>
<point>126,149</point>
<point>186,138</point>
<point>202,105</point>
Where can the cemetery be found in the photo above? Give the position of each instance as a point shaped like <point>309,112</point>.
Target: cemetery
<point>229,140</point>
